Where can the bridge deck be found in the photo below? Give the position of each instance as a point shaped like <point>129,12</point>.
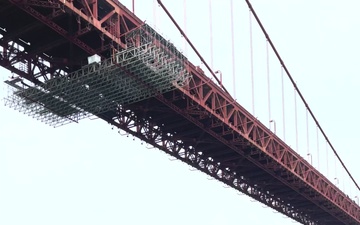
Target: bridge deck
<point>197,123</point>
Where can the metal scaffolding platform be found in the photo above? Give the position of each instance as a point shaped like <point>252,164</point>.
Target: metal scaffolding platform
<point>148,67</point>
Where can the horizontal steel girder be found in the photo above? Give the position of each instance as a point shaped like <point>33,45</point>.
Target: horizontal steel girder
<point>146,130</point>
<point>204,92</point>
<point>229,122</point>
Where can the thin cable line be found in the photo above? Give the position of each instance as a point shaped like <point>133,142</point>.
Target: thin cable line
<point>211,36</point>
<point>233,46</point>
<point>318,148</point>
<point>327,159</point>
<point>307,134</point>
<point>283,100</point>
<point>193,47</point>
<point>300,94</point>
<point>252,65</point>
<point>154,13</point>
<point>268,80</point>
<point>296,123</point>
<point>185,28</point>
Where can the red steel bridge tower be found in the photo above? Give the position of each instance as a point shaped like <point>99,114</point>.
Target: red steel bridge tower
<point>77,58</point>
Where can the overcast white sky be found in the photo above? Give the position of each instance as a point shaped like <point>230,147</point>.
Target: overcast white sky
<point>87,173</point>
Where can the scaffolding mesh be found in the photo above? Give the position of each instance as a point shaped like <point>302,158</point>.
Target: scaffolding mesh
<point>148,67</point>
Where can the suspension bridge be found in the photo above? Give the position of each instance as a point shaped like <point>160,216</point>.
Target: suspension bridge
<point>72,60</point>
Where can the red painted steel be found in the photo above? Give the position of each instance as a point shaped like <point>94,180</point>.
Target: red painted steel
<point>199,124</point>
<point>238,123</point>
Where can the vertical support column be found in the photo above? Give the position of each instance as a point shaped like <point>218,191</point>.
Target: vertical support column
<point>95,9</point>
<point>5,51</point>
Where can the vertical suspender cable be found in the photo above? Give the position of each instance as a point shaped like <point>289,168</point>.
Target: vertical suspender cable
<point>335,170</point>
<point>317,148</point>
<point>327,159</point>
<point>154,13</point>
<point>296,123</point>
<point>185,28</point>
<point>252,65</point>
<point>283,101</point>
<point>133,6</point>
<point>299,92</point>
<point>193,47</point>
<point>343,179</point>
<point>233,46</point>
<point>307,137</point>
<point>211,37</point>
<point>268,80</point>
<point>350,187</point>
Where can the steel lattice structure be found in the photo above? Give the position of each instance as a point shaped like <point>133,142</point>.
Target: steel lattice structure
<point>187,115</point>
<point>101,86</point>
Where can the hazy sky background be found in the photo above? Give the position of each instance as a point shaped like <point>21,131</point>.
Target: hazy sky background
<point>87,173</point>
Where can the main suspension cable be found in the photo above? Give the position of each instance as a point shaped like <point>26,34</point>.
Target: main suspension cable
<point>298,91</point>
<point>192,46</point>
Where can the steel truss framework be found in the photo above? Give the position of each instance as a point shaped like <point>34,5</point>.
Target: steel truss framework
<point>208,107</point>
<point>101,87</point>
<point>279,167</point>
<point>151,133</point>
<point>109,18</point>
<point>32,66</point>
<point>236,123</point>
